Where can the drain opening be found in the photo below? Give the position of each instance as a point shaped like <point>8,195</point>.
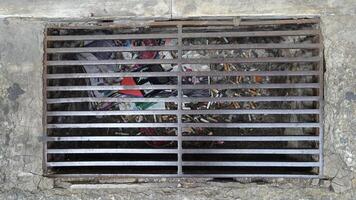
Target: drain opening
<point>185,98</point>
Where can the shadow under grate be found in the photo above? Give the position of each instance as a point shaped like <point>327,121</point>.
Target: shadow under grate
<point>185,99</point>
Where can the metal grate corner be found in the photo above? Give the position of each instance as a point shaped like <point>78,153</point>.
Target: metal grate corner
<point>200,98</point>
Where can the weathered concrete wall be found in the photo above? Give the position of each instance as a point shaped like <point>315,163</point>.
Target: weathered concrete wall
<point>21,51</point>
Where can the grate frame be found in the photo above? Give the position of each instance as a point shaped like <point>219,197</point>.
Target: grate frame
<point>318,59</point>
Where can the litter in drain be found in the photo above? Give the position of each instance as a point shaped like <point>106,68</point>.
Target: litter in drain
<point>185,99</point>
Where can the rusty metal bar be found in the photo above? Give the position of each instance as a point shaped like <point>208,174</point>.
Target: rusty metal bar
<point>251,151</point>
<point>184,138</point>
<point>253,164</point>
<point>111,163</point>
<point>110,49</point>
<point>251,34</point>
<point>253,125</point>
<point>185,151</point>
<point>185,99</point>
<point>111,113</point>
<point>321,106</point>
<point>244,86</point>
<point>186,61</point>
<point>187,175</point>
<point>172,125</point>
<point>185,112</point>
<point>173,74</point>
<point>184,48</point>
<point>107,99</point>
<point>190,87</point>
<point>103,151</point>
<point>113,125</point>
<point>110,138</point>
<point>184,35</point>
<point>180,94</point>
<point>256,99</point>
<point>251,138</point>
<point>112,87</point>
<point>110,37</point>
<point>44,103</point>
<point>252,46</point>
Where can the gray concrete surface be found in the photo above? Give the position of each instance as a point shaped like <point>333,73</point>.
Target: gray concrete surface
<point>21,52</point>
<point>81,9</point>
<point>195,8</point>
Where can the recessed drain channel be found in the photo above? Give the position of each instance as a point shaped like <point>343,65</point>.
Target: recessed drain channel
<point>185,99</point>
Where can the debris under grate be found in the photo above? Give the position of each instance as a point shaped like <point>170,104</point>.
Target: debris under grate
<point>186,99</point>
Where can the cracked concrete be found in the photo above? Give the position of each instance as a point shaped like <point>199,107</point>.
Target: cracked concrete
<point>21,52</point>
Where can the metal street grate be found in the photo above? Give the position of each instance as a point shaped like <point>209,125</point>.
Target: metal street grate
<point>204,98</point>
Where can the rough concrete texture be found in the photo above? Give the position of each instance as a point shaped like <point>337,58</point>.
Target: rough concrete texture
<point>21,52</point>
<point>86,8</point>
<point>80,9</point>
<point>340,106</point>
<point>195,8</point>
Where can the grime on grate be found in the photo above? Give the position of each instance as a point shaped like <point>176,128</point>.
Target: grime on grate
<point>205,98</point>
